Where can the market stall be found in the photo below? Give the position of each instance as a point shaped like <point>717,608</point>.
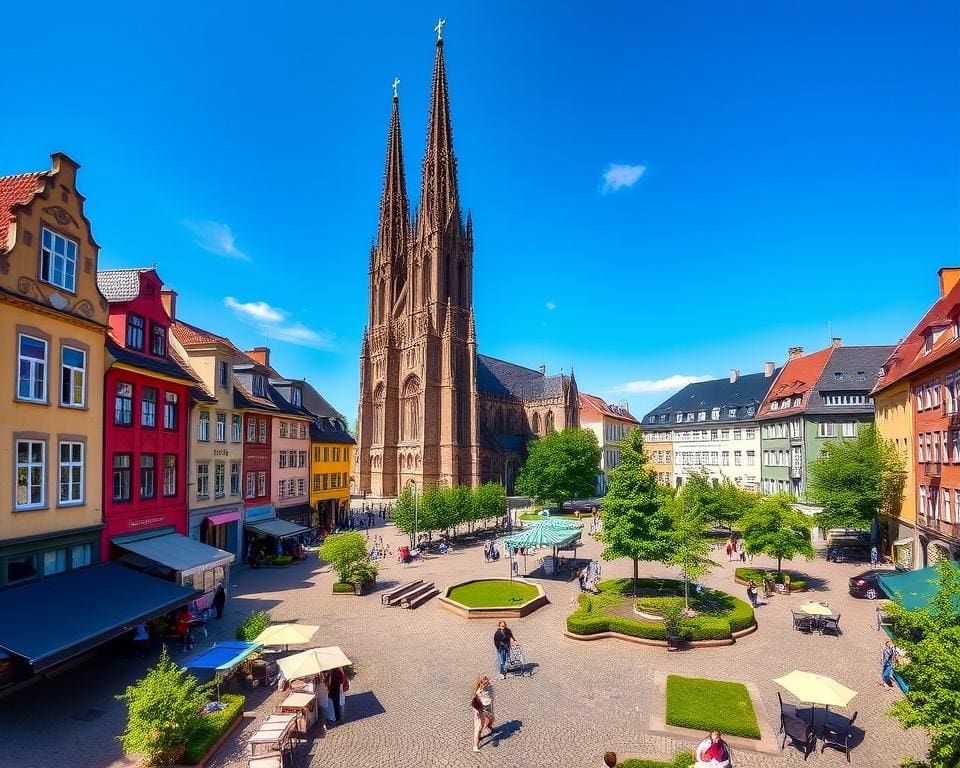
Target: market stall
<point>220,660</point>
<point>267,536</point>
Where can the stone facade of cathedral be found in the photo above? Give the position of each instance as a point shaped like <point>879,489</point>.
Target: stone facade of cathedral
<point>432,410</point>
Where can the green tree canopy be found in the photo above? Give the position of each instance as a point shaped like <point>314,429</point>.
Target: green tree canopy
<point>715,503</point>
<point>930,637</point>
<point>687,542</point>
<point>853,480</point>
<point>635,524</point>
<point>343,551</point>
<point>773,527</point>
<point>561,466</point>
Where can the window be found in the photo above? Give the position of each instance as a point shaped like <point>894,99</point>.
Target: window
<point>73,377</point>
<point>282,464</point>
<point>346,454</point>
<point>32,369</point>
<point>81,555</point>
<point>302,432</point>
<point>169,475</point>
<point>689,416</point>
<point>219,479</point>
<point>71,473</point>
<point>838,375</point>
<point>158,340</point>
<point>31,471</point>
<point>123,404</point>
<point>326,453</point>
<point>135,325</point>
<point>221,427</point>
<point>679,417</point>
<point>724,434</point>
<point>224,375</point>
<point>251,483</point>
<point>775,405</point>
<point>714,434</point>
<point>251,430</point>
<point>263,431</point>
<point>947,517</point>
<point>702,416</point>
<point>316,482</point>
<point>326,482</point>
<point>292,458</point>
<point>54,561</point>
<point>58,260</point>
<point>236,427</point>
<point>849,429</point>
<point>737,458</point>
<point>827,429</point>
<point>203,480</point>
<point>259,387</point>
<point>21,568</point>
<point>203,427</point>
<point>796,428</point>
<point>751,458</point>
<point>749,434</point>
<point>283,429</point>
<point>148,407</point>
<point>121,476</point>
<point>234,478</point>
<point>148,476</point>
<point>302,459</point>
<point>170,410</point>
<point>737,434</point>
<point>261,483</point>
<point>861,375</point>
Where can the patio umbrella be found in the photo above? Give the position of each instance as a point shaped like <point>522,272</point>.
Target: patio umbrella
<point>815,609</point>
<point>286,634</point>
<point>815,689</point>
<point>312,662</point>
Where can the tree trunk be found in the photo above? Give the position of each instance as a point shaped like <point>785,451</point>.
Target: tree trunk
<point>686,591</point>
<point>636,575</point>
<point>779,565</point>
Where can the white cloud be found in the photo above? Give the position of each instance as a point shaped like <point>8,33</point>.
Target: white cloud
<point>297,333</point>
<point>670,384</point>
<point>551,305</point>
<point>216,238</point>
<point>255,310</point>
<point>618,176</point>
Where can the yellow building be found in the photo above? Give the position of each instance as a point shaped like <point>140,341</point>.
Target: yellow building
<point>331,451</point>
<point>53,324</point>
<point>894,420</point>
<point>658,443</point>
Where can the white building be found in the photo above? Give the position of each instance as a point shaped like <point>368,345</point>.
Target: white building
<point>611,424</point>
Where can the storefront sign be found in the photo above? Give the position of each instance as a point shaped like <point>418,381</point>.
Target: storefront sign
<point>259,513</point>
<point>141,522</point>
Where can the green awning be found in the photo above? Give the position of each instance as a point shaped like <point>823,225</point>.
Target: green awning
<point>555,522</point>
<point>916,588</point>
<point>542,536</point>
<point>63,616</point>
<point>279,529</point>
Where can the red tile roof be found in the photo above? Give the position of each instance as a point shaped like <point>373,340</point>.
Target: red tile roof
<point>910,355</point>
<point>797,378</point>
<point>189,335</point>
<point>17,190</point>
<point>597,407</point>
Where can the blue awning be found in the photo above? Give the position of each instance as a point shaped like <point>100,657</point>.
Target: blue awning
<point>52,620</point>
<point>222,656</point>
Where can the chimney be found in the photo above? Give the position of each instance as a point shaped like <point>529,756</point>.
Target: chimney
<point>768,368</point>
<point>734,375</point>
<point>949,276</point>
<point>168,298</point>
<point>794,352</point>
<point>543,368</point>
<point>836,342</point>
<point>260,355</point>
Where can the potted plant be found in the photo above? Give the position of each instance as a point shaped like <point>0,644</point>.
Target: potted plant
<point>363,575</point>
<point>671,612</point>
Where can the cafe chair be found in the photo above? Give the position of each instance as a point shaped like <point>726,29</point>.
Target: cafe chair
<point>800,733</point>
<point>831,625</point>
<point>836,734</point>
<point>786,710</point>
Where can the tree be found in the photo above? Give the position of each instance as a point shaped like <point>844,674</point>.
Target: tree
<point>635,524</point>
<point>930,637</point>
<point>489,501</point>
<point>853,480</point>
<point>163,712</point>
<point>774,527</point>
<point>561,466</point>
<point>344,551</point>
<point>403,513</point>
<point>687,543</point>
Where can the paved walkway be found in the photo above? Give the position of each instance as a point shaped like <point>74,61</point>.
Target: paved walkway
<point>409,704</point>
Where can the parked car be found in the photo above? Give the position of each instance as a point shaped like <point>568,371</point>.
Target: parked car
<point>848,553</point>
<point>867,585</point>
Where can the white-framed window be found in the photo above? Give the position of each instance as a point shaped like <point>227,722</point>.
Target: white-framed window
<point>725,458</point>
<point>31,471</point>
<point>302,432</point>
<point>828,429</point>
<point>737,458</point>
<point>945,508</point>
<point>737,434</point>
<point>234,478</point>
<point>748,434</point>
<point>203,480</point>
<point>849,429</point>
<point>251,429</point>
<point>73,377</point>
<point>263,431</point>
<point>170,474</point>
<point>775,405</point>
<point>283,429</point>
<point>282,464</point>
<point>751,458</point>
<point>261,483</point>
<point>302,458</point>
<point>236,428</point>
<point>71,473</point>
<point>724,434</point>
<point>203,427</point>
<point>219,479</point>
<point>31,369</point>
<point>58,260</point>
<point>679,417</point>
<point>122,470</point>
<point>221,427</point>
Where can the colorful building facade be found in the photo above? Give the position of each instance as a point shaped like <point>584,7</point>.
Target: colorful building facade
<point>894,420</point>
<point>611,423</point>
<point>331,449</point>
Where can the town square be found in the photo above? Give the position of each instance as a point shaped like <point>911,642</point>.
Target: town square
<point>622,430</point>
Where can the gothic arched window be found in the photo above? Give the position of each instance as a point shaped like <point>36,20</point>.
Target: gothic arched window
<point>410,409</point>
<point>378,415</point>
<point>535,423</point>
<point>549,421</point>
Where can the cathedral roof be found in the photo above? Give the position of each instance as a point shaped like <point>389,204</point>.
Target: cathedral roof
<point>503,379</point>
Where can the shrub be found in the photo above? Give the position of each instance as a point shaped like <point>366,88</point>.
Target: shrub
<point>343,551</point>
<point>705,628</point>
<point>253,625</point>
<point>741,617</point>
<point>163,712</point>
<point>680,760</point>
<point>361,572</point>
<point>339,586</point>
<point>704,705</point>
<point>212,727</point>
<point>658,606</point>
<point>283,559</point>
<point>756,576</point>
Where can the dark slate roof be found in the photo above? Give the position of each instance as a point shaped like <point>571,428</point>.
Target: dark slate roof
<point>154,364</point>
<point>503,379</point>
<point>314,402</point>
<point>746,393</point>
<point>323,431</point>
<point>850,362</point>
<point>280,396</point>
<point>119,285</point>
<point>243,398</point>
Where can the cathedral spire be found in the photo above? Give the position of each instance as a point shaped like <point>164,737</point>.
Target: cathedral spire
<point>394,206</point>
<point>439,196</point>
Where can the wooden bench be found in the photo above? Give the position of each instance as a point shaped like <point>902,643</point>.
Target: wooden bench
<point>388,597</point>
<point>401,596</point>
<point>420,598</point>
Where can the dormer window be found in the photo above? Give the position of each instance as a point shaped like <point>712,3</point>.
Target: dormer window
<point>295,396</point>
<point>135,331</point>
<point>663,419</point>
<point>861,375</point>
<point>679,417</point>
<point>702,416</point>
<point>838,375</point>
<point>715,414</point>
<point>158,340</point>
<point>652,419</point>
<point>731,413</point>
<point>751,410</point>
<point>259,385</point>
<point>775,405</point>
<point>224,375</point>
<point>58,260</point>
<point>690,417</point>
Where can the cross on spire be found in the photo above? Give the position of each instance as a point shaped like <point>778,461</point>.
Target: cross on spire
<point>396,84</point>
<point>439,29</point>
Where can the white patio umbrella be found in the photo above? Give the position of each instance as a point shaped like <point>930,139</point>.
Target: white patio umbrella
<point>812,688</point>
<point>312,662</point>
<point>286,634</point>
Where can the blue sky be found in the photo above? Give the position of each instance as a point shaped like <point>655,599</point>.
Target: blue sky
<point>659,190</point>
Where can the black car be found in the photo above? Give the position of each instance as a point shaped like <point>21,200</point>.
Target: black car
<point>848,553</point>
<point>867,585</point>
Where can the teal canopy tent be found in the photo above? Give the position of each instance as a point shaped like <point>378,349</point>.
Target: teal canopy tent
<point>916,588</point>
<point>540,535</point>
<point>556,522</point>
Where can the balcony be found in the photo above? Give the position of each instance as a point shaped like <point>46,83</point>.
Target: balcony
<point>932,468</point>
<point>796,473</point>
<point>930,523</point>
<point>952,418</point>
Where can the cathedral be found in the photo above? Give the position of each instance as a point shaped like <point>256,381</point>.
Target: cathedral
<point>432,409</point>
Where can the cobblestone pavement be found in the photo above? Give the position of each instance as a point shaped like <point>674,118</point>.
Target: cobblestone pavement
<point>409,704</point>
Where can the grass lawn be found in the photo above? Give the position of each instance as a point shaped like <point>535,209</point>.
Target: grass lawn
<point>491,593</point>
<point>706,705</point>
<point>681,760</point>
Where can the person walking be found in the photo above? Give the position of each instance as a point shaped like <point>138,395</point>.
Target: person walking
<point>874,556</point>
<point>503,639</point>
<point>887,656</point>
<point>482,705</point>
<point>184,618</point>
<point>338,685</point>
<point>219,600</point>
<point>752,594</point>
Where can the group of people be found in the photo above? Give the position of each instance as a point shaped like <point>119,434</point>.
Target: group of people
<point>379,551</point>
<point>490,552</point>
<point>596,524</point>
<point>736,550</point>
<point>589,576</point>
<point>329,688</point>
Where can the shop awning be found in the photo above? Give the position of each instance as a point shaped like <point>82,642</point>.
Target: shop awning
<point>63,616</point>
<point>222,656</point>
<point>223,517</point>
<point>279,529</point>
<point>179,553</point>
<point>917,588</point>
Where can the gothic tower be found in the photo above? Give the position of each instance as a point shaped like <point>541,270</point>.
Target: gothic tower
<point>418,394</point>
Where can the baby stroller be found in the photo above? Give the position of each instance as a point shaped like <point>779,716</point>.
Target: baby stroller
<point>516,662</point>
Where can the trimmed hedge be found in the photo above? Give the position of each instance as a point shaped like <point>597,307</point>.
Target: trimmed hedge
<point>705,705</point>
<point>253,625</point>
<point>340,586</point>
<point>680,760</point>
<point>721,614</point>
<point>214,726</point>
<point>797,583</point>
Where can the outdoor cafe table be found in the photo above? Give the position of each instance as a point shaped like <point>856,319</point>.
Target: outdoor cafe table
<point>274,734</point>
<point>304,706</point>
